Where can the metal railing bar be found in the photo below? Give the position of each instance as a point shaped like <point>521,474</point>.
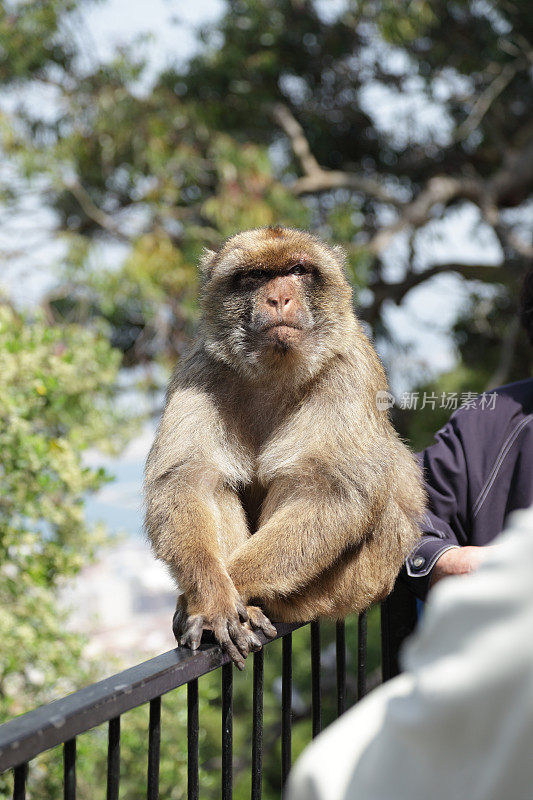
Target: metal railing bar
<point>19,787</point>
<point>69,770</point>
<point>361,655</point>
<point>113,759</point>
<point>286,707</point>
<point>154,749</point>
<point>257,726</point>
<point>24,737</point>
<point>340,651</point>
<point>316,701</point>
<point>227,731</point>
<point>398,620</point>
<point>193,753</point>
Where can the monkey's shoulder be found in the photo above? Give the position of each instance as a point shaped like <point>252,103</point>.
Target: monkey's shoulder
<point>196,369</point>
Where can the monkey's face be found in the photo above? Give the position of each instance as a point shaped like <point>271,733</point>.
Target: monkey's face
<point>275,299</point>
<point>276,305</point>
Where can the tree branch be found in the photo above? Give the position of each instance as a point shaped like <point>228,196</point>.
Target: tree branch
<point>397,291</point>
<point>487,98</point>
<point>316,178</point>
<point>326,180</point>
<point>509,185</point>
<point>92,211</point>
<point>439,190</point>
<point>299,143</point>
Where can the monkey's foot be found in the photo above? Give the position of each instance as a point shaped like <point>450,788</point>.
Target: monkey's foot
<point>259,621</point>
<point>234,636</point>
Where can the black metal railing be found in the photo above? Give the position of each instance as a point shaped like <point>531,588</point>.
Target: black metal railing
<point>61,721</point>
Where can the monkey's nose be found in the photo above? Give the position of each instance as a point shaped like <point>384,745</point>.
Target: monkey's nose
<point>280,301</point>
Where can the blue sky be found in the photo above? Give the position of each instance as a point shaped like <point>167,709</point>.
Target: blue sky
<point>171,25</point>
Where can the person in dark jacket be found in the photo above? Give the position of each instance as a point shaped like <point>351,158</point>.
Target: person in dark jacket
<point>478,471</point>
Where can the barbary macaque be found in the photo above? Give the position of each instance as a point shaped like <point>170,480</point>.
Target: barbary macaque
<point>276,488</point>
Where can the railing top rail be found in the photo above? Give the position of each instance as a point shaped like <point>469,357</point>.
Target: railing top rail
<point>24,737</point>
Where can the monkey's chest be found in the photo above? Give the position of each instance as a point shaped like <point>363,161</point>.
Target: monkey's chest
<point>252,496</point>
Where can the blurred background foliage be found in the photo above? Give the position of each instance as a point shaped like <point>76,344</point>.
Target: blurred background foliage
<point>277,118</point>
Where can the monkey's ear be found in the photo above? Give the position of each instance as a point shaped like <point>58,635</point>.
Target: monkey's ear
<point>205,264</point>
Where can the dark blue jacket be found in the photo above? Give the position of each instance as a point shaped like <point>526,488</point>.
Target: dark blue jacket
<point>478,471</point>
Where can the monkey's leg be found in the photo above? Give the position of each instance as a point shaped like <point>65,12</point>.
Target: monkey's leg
<point>357,580</point>
<point>335,593</point>
<point>185,527</point>
<point>301,536</point>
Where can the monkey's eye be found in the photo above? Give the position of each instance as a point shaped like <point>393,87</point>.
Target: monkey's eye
<point>248,279</point>
<point>298,269</point>
<point>255,274</point>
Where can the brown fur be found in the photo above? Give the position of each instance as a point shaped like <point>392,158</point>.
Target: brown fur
<point>274,481</point>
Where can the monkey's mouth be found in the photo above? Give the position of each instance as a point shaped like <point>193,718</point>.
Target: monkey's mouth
<point>287,325</point>
<point>283,335</point>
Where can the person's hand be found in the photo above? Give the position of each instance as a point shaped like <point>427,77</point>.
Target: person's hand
<point>458,561</point>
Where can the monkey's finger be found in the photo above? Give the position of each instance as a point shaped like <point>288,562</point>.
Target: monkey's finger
<point>187,640</point>
<point>238,637</point>
<point>254,642</point>
<point>243,637</point>
<point>233,653</point>
<point>192,636</point>
<point>224,639</point>
<point>191,639</point>
<point>260,621</point>
<point>266,627</point>
<point>242,612</point>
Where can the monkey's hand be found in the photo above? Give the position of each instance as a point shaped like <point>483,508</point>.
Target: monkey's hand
<point>229,627</point>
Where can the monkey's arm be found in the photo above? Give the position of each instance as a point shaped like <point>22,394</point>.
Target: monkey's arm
<point>183,471</point>
<point>304,535</point>
<point>182,526</point>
